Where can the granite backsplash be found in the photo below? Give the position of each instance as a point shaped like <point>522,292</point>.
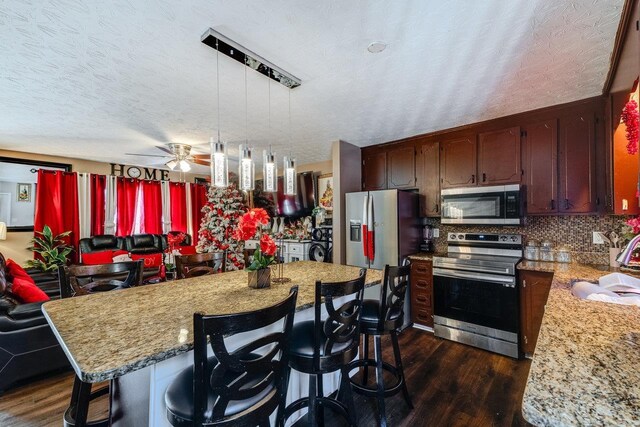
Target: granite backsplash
<point>574,231</point>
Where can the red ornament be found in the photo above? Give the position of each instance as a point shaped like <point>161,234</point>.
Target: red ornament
<point>630,119</point>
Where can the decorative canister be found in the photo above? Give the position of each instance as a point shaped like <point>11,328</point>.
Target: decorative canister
<point>532,250</point>
<point>546,251</point>
<point>563,254</point>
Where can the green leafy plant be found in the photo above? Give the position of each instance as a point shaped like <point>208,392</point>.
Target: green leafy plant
<point>53,250</point>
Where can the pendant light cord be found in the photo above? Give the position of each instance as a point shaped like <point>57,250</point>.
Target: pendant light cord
<point>218,84</point>
<point>246,105</point>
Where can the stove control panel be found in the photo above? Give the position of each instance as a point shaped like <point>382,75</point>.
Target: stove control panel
<point>493,238</point>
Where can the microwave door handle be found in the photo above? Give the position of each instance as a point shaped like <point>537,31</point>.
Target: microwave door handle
<point>472,276</point>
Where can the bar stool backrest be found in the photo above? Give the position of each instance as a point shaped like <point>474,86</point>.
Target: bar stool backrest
<point>239,374</point>
<point>392,296</point>
<point>342,325</point>
<point>78,279</point>
<point>200,264</point>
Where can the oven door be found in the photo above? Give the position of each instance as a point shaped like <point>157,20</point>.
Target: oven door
<point>482,299</point>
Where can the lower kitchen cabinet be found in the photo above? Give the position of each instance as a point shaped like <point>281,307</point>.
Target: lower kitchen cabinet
<point>534,291</point>
<point>421,292</point>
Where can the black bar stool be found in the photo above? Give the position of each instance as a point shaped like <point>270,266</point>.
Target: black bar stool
<point>79,280</point>
<point>384,317</point>
<point>324,346</point>
<point>234,388</point>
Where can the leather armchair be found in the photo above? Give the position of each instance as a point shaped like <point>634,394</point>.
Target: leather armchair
<point>144,243</point>
<point>27,344</point>
<point>99,243</point>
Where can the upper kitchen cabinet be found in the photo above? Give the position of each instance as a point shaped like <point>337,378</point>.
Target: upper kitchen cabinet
<point>499,159</point>
<point>428,176</point>
<point>458,162</point>
<point>401,166</point>
<point>541,166</point>
<point>577,163</point>
<point>374,169</point>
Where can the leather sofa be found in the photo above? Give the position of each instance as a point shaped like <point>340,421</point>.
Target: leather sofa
<point>100,243</point>
<point>136,243</point>
<point>27,344</point>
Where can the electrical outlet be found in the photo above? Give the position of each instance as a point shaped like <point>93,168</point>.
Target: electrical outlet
<point>436,232</point>
<point>597,238</point>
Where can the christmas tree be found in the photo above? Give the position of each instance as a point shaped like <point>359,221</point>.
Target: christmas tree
<point>221,213</point>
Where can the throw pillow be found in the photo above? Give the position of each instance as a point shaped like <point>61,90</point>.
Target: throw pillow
<point>27,291</point>
<point>186,250</point>
<point>15,270</point>
<point>101,257</point>
<point>120,256</point>
<point>150,260</point>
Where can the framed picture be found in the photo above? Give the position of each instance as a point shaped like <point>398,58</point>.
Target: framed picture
<point>23,193</point>
<point>325,192</point>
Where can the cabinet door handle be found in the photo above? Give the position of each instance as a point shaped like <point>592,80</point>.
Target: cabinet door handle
<point>437,208</point>
<point>566,203</point>
<point>473,179</point>
<point>553,204</point>
<point>484,177</point>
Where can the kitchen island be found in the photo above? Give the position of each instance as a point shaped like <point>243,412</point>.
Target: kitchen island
<point>585,365</point>
<point>141,337</point>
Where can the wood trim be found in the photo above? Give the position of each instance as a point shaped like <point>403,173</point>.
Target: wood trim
<point>618,45</point>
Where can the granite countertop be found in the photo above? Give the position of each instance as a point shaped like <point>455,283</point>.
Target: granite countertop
<point>425,256</point>
<point>110,334</point>
<point>585,366</point>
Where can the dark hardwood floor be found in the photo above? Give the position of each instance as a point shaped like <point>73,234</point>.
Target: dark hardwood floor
<point>450,384</point>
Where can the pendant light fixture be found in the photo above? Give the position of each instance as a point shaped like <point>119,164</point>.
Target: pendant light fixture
<point>246,166</point>
<point>290,175</point>
<point>219,158</point>
<point>270,166</point>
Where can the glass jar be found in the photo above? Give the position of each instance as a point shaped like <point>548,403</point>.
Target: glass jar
<point>546,251</point>
<point>563,254</point>
<point>532,251</point>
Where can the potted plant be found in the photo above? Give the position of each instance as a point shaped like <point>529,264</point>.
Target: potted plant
<point>250,225</point>
<point>53,250</point>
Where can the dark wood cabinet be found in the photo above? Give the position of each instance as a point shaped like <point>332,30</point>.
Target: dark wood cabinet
<point>374,169</point>
<point>401,166</point>
<point>499,160</point>
<point>577,163</point>
<point>421,292</point>
<point>458,162</point>
<point>541,166</point>
<point>534,291</point>
<point>428,176</point>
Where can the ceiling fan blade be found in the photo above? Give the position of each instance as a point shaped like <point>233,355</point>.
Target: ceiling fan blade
<point>165,149</point>
<point>201,162</point>
<point>144,155</point>
<point>201,156</point>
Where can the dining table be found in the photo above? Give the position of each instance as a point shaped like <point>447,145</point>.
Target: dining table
<point>140,338</point>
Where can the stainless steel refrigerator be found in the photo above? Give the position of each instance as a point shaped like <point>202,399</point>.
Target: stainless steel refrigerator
<point>383,227</point>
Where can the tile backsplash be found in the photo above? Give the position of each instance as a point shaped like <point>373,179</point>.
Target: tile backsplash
<point>575,231</point>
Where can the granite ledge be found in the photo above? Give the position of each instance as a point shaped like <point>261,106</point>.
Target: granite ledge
<point>584,369</point>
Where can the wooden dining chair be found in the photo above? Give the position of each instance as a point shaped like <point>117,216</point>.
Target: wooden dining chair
<point>200,264</point>
<point>78,280</point>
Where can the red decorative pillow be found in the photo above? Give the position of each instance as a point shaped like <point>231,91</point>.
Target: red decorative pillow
<point>150,260</point>
<point>186,250</point>
<point>27,291</point>
<point>15,270</point>
<point>102,257</point>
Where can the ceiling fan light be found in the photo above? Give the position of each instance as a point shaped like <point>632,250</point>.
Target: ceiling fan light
<point>171,164</point>
<point>246,169</point>
<point>219,164</point>
<point>184,166</point>
<point>270,171</point>
<point>290,177</point>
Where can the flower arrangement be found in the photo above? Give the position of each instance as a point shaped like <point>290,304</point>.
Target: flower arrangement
<point>630,119</point>
<point>249,225</point>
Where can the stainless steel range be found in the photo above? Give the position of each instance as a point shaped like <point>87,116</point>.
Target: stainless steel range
<point>475,291</point>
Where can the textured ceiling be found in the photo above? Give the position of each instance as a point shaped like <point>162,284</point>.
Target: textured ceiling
<point>96,79</point>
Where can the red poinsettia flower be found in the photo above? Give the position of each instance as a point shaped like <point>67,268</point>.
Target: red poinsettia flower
<point>267,245</point>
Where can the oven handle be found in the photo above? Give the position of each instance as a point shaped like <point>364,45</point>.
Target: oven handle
<point>475,276</point>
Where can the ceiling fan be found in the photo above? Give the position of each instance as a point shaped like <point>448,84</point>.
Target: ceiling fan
<point>181,156</point>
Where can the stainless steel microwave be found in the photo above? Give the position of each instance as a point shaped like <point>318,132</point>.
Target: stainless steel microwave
<point>499,205</point>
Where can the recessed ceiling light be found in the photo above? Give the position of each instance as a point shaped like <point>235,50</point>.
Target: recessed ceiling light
<point>376,47</point>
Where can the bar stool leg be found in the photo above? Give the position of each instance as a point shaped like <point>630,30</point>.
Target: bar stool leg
<point>380,380</point>
<point>396,354</point>
<point>320,404</point>
<point>347,395</point>
<point>312,400</point>
<point>365,375</point>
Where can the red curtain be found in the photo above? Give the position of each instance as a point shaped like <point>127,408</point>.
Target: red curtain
<point>178,199</point>
<point>98,185</point>
<point>198,200</point>
<point>57,205</point>
<point>152,203</point>
<point>127,195</point>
